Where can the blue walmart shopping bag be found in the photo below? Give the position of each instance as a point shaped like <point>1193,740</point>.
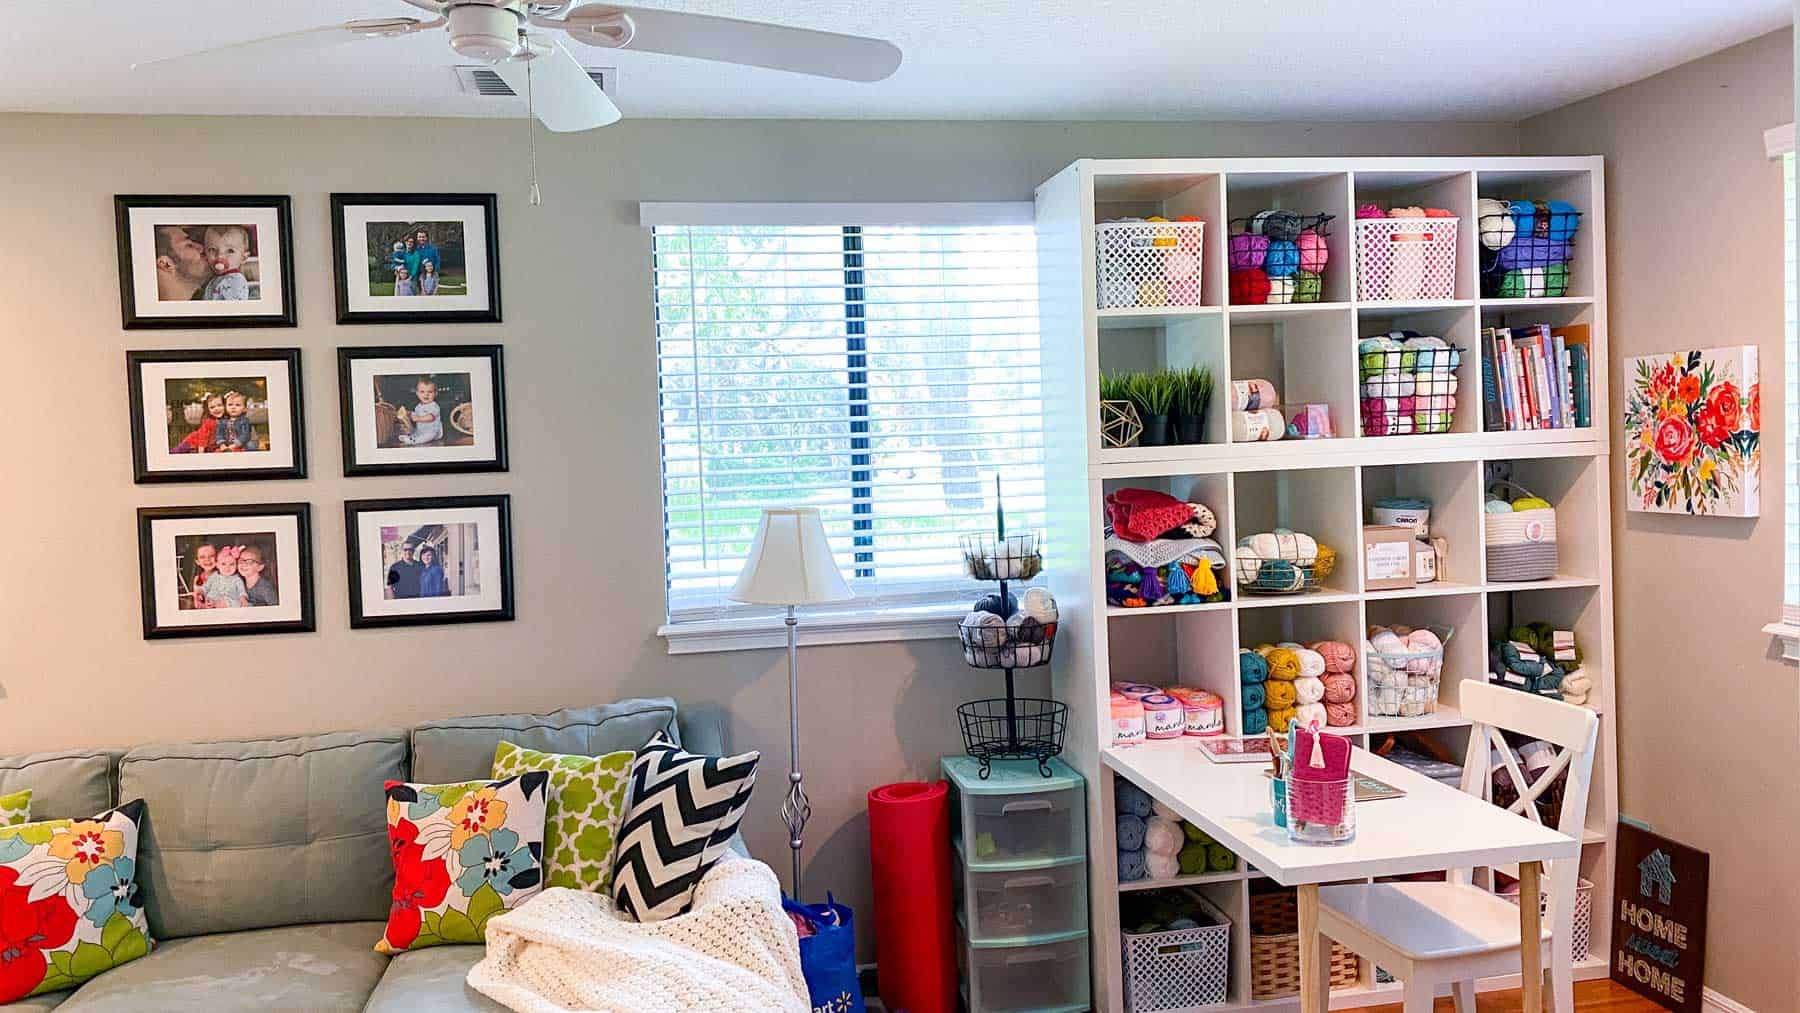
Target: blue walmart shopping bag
<point>828,956</point>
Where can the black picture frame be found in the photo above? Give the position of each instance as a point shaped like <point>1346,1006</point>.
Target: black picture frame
<point>141,473</point>
<point>348,356</point>
<point>147,576</point>
<point>501,504</point>
<point>132,319</point>
<point>489,205</point>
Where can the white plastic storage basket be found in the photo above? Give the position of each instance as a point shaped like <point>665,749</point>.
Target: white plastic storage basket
<point>1181,967</point>
<point>1149,263</point>
<point>1405,259</point>
<point>1521,545</point>
<point>1584,913</point>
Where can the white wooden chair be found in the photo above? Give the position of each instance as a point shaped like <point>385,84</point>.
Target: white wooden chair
<point>1454,932</point>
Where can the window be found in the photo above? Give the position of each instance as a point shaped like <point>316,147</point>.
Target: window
<point>885,374</point>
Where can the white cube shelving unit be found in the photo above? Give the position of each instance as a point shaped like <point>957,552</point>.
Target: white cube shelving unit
<point>1321,486</point>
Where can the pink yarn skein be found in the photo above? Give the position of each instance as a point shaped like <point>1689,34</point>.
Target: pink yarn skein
<point>1313,252</point>
<point>1339,656</point>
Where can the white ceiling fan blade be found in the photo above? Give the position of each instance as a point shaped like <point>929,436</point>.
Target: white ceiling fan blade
<point>728,40</point>
<point>308,39</point>
<point>565,97</point>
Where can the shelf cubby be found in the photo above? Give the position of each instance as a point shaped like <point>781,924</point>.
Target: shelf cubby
<point>1172,195</point>
<point>1175,343</point>
<point>1307,193</point>
<point>1451,190</point>
<point>1302,351</point>
<point>1465,653</point>
<point>1458,325</point>
<point>1572,486</point>
<point>1453,488</point>
<point>1321,502</point>
<point>1576,187</point>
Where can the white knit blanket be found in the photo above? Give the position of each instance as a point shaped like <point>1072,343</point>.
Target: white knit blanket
<point>735,950</point>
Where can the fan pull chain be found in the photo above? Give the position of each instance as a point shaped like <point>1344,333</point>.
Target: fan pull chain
<point>537,197</point>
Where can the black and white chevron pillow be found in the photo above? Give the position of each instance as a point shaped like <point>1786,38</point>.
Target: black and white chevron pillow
<point>683,810</point>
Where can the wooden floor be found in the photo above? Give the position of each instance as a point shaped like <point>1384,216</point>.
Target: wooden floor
<point>1590,997</point>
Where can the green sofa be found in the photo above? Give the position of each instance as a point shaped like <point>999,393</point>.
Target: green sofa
<point>264,863</point>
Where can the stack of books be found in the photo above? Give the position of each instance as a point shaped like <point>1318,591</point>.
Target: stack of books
<point>1535,377</point>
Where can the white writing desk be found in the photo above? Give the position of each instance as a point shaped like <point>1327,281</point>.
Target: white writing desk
<point>1433,827</point>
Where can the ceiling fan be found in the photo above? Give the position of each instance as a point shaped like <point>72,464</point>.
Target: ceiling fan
<point>517,38</point>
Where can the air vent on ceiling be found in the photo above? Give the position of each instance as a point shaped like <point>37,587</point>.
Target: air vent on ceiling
<point>484,82</point>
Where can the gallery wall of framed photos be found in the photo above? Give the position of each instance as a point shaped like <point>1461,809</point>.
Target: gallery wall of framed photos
<point>423,413</point>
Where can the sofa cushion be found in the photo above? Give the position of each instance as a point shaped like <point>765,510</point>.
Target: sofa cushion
<point>684,811</point>
<point>64,786</point>
<point>581,821</point>
<point>252,834</point>
<point>39,1003</point>
<point>304,967</point>
<point>15,808</point>
<point>462,749</point>
<point>433,979</point>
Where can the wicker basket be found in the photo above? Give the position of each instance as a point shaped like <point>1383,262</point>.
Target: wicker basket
<point>1521,545</point>
<point>1275,948</point>
<point>1179,968</point>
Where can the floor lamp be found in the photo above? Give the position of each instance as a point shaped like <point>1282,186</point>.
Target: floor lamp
<point>790,564</point>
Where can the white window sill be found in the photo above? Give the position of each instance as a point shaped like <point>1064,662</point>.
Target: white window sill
<point>917,622</point>
<point>1790,639</point>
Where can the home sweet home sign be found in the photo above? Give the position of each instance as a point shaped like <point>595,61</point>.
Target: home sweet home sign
<point>1659,919</point>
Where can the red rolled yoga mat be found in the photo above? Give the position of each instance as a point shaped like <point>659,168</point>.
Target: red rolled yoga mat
<point>909,863</point>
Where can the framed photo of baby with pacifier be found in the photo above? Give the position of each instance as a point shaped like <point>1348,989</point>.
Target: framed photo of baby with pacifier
<point>205,261</point>
<point>422,409</point>
<point>416,258</point>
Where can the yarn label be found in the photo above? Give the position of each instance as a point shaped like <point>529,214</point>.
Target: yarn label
<point>1659,919</point>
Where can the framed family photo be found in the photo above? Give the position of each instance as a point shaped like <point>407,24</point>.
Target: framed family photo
<point>416,258</point>
<point>221,570</point>
<point>422,409</point>
<point>216,414</point>
<point>193,261</point>
<point>420,562</point>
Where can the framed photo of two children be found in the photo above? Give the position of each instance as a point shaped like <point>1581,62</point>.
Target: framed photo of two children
<point>202,415</point>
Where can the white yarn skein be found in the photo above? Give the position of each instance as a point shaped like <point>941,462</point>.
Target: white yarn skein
<point>1309,689</point>
<point>1495,221</point>
<point>1039,604</point>
<point>1311,713</point>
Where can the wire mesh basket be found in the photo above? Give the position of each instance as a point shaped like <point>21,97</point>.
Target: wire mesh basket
<point>1015,728</point>
<point>1292,570</point>
<point>1003,557</point>
<point>1149,263</point>
<point>1025,643</point>
<point>1527,249</point>
<point>1405,259</point>
<point>1404,684</point>
<point>1409,390</point>
<point>1278,257</point>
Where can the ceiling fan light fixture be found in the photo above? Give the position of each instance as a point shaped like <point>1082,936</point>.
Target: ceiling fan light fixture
<point>484,32</point>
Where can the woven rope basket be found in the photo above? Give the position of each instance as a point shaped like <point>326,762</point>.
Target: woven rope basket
<point>1275,948</point>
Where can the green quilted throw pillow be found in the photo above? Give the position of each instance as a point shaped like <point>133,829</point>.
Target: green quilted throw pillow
<point>15,808</point>
<point>587,801</point>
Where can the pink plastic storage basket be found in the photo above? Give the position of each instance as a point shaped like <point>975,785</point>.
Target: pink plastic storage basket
<point>1405,259</point>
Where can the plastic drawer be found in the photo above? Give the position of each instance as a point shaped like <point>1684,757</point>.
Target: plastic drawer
<point>1023,905</point>
<point>1028,827</point>
<point>1048,976</point>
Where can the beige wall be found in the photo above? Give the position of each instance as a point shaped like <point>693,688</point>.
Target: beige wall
<point>1708,723</point>
<point>74,670</point>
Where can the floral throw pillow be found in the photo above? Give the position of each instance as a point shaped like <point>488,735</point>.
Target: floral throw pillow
<point>587,801</point>
<point>15,808</point>
<point>69,901</point>
<point>462,854</point>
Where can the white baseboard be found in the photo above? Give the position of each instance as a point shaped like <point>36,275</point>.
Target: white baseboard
<point>1716,1002</point>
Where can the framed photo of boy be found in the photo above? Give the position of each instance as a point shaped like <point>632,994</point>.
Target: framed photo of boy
<point>208,571</point>
<point>422,409</point>
<point>205,261</point>
<point>416,258</point>
<point>216,415</point>
<point>422,562</point>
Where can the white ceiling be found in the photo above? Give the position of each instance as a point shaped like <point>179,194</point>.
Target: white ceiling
<point>975,59</point>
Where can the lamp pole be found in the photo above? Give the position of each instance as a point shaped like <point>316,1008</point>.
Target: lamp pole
<point>796,810</point>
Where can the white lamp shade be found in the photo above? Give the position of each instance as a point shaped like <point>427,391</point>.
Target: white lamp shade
<point>790,562</point>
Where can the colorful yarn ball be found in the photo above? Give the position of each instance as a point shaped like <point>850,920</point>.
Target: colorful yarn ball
<point>1282,258</point>
<point>1131,800</point>
<point>1280,719</point>
<point>1556,281</point>
<point>1280,226</point>
<point>1280,695</point>
<point>1252,668</point>
<point>1256,720</point>
<point>1132,866</point>
<point>1496,223</point>
<point>1524,216</point>
<point>1257,220</point>
<point>1312,663</point>
<point>1248,251</point>
<point>1281,291</point>
<point>1313,252</point>
<point>1308,689</point>
<point>1249,288</point>
<point>1195,835</point>
<point>1340,687</point>
<point>1153,292</point>
<point>1340,714</point>
<point>1263,650</point>
<point>1180,265</point>
<point>1163,837</point>
<point>1130,830</point>
<point>1339,656</point>
<point>1284,664</point>
<point>1308,286</point>
<point>1309,714</point>
<point>1255,695</point>
<point>1219,858</point>
<point>1564,220</point>
<point>1192,858</point>
<point>1370,211</point>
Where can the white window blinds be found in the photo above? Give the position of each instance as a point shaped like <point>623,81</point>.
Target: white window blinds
<point>1791,486</point>
<point>884,374</point>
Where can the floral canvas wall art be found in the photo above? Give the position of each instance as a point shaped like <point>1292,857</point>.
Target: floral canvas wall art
<point>1693,426</point>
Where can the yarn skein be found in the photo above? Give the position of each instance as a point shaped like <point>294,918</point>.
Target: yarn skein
<point>1280,719</point>
<point>1284,664</point>
<point>1255,697</point>
<point>1340,714</point>
<point>1339,656</point>
<point>1312,713</point>
<point>1340,687</point>
<point>1252,669</point>
<point>1312,663</point>
<point>1256,720</point>
<point>1280,695</point>
<point>1309,689</point>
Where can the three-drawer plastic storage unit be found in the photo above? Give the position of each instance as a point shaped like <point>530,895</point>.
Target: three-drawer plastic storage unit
<point>1020,846</point>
